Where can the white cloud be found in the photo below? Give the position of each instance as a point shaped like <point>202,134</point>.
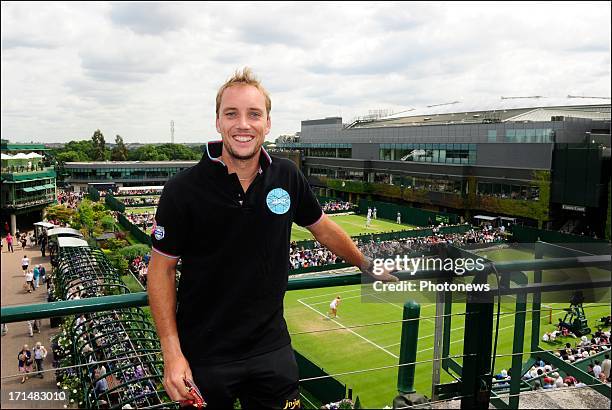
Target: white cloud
<point>130,68</point>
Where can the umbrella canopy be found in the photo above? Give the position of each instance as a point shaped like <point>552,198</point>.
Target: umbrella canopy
<point>33,155</point>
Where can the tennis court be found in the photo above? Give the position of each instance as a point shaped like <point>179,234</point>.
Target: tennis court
<point>353,225</point>
<point>344,344</point>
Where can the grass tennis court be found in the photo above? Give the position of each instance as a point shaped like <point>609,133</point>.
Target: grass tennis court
<point>353,225</point>
<point>140,210</point>
<point>347,349</point>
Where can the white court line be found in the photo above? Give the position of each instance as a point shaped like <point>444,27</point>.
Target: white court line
<point>343,299</point>
<point>300,228</point>
<point>311,403</point>
<point>402,308</point>
<point>369,294</point>
<point>503,328</point>
<point>350,330</point>
<point>422,337</point>
<point>452,330</point>
<point>328,294</point>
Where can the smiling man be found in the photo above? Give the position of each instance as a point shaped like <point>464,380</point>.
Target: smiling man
<point>229,220</point>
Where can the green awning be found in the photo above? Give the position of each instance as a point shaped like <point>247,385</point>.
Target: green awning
<point>38,188</point>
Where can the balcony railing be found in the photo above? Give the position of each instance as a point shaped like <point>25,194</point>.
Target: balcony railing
<point>20,173</point>
<point>19,169</point>
<point>29,201</point>
<point>474,387</point>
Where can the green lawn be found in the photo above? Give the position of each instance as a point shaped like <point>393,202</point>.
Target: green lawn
<point>121,198</point>
<point>343,349</point>
<point>132,283</point>
<point>353,225</point>
<point>140,210</point>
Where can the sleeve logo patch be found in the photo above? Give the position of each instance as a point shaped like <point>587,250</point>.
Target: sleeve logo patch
<point>278,201</point>
<point>159,232</point>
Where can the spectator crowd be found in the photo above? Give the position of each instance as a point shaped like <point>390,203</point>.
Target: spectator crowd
<point>144,220</point>
<point>69,199</point>
<point>141,201</point>
<point>137,191</point>
<point>336,206</point>
<point>300,257</point>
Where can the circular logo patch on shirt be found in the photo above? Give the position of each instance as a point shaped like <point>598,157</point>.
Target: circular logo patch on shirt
<point>159,232</point>
<point>278,201</point>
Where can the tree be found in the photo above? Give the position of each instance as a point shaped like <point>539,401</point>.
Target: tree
<point>85,216</point>
<point>59,213</point>
<point>84,148</point>
<point>99,146</point>
<point>148,153</point>
<point>119,152</point>
<point>177,152</point>
<point>71,156</point>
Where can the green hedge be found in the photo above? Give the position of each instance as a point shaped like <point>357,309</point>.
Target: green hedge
<point>93,193</point>
<point>134,230</point>
<point>133,251</point>
<point>536,210</point>
<point>114,204</point>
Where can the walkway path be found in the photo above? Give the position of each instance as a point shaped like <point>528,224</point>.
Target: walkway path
<point>13,294</point>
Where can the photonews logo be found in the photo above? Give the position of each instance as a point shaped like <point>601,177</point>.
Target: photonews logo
<point>278,201</point>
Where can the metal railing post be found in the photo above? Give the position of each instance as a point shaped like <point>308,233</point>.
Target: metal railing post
<point>408,347</point>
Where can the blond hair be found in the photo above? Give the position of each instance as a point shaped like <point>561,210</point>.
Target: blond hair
<point>244,77</point>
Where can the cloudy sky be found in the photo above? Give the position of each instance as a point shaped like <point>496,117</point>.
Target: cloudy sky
<point>130,68</point>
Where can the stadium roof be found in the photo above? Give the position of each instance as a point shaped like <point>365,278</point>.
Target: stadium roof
<point>140,188</point>
<point>544,114</point>
<point>112,164</point>
<point>460,113</point>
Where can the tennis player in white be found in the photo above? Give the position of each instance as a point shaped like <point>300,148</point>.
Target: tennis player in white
<point>333,306</point>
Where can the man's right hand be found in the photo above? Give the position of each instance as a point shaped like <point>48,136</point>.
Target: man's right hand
<point>176,370</point>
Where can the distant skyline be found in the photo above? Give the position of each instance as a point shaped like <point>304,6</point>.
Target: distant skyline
<point>69,68</point>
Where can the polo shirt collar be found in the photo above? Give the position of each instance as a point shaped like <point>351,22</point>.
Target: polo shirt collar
<point>213,156</point>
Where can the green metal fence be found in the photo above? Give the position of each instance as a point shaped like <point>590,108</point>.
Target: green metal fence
<point>327,389</point>
<point>474,385</point>
<point>124,340</point>
<point>527,234</point>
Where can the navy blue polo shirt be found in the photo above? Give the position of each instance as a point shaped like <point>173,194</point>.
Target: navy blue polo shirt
<point>234,248</point>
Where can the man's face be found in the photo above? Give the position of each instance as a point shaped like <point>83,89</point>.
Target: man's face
<point>243,121</point>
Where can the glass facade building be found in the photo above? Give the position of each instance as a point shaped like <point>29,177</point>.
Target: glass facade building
<point>498,161</point>
<point>28,186</point>
<point>122,173</point>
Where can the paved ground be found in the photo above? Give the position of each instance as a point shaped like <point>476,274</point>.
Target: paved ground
<point>13,294</point>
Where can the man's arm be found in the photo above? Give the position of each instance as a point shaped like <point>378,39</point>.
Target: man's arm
<point>330,235</point>
<point>161,287</point>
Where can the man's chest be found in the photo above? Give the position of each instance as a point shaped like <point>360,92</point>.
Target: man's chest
<point>228,212</point>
